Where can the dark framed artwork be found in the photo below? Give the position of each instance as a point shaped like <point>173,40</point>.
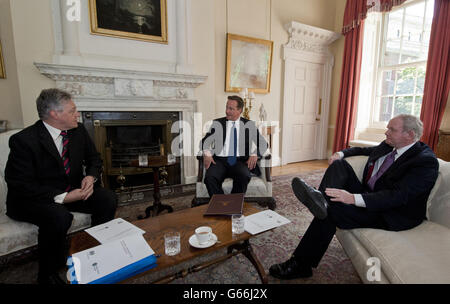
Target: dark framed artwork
<point>144,20</point>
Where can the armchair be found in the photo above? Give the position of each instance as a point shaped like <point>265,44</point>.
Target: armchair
<point>259,189</point>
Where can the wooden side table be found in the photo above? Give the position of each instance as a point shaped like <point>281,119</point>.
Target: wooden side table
<point>155,162</point>
<point>443,146</point>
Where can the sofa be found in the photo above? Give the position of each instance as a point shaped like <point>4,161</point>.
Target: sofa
<point>17,237</point>
<point>419,255</point>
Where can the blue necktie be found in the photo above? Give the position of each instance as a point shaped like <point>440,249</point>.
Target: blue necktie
<point>233,147</point>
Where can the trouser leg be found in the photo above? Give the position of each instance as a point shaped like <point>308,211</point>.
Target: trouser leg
<point>214,177</point>
<point>102,205</point>
<point>241,177</point>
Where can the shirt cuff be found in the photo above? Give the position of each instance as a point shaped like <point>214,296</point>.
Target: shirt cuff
<point>59,199</point>
<point>341,155</point>
<point>359,201</point>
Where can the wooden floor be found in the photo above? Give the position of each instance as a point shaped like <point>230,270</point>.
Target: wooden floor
<point>300,167</point>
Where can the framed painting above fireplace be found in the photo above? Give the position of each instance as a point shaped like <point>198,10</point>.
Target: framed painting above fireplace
<point>144,20</point>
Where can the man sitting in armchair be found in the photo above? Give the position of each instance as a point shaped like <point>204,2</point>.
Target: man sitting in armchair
<point>231,149</point>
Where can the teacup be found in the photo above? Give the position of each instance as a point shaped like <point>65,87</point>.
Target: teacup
<point>203,234</point>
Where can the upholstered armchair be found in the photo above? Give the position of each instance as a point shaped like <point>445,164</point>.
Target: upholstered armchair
<point>259,189</point>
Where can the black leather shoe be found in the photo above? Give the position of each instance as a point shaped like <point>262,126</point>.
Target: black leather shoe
<point>310,197</point>
<point>289,270</point>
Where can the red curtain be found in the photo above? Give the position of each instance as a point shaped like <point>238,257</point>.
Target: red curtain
<point>437,78</point>
<point>355,12</point>
<point>353,29</point>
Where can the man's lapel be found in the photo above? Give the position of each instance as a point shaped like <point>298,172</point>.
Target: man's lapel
<point>47,142</point>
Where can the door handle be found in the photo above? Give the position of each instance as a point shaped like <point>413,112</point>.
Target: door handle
<point>320,109</point>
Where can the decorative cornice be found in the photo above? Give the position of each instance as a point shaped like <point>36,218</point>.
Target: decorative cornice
<point>309,38</point>
<point>68,73</point>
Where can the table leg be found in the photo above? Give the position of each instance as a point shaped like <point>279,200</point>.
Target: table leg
<point>246,249</point>
<point>157,206</point>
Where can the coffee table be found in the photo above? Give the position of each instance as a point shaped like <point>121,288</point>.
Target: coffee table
<point>185,221</point>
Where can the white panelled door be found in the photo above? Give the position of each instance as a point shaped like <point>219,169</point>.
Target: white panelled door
<point>303,106</point>
<point>308,65</point>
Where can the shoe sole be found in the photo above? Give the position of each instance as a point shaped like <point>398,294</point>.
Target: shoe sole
<point>303,193</point>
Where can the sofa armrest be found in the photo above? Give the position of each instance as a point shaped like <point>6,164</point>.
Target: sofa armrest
<point>358,163</point>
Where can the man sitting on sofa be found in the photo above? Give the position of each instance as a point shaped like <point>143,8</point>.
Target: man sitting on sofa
<point>398,177</point>
<point>46,181</point>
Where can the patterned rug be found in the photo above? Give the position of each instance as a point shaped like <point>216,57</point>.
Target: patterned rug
<point>272,247</point>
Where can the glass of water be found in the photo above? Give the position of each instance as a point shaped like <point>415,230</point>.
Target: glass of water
<point>237,223</point>
<point>172,242</point>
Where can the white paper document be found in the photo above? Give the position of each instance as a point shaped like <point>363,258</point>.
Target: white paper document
<point>97,262</point>
<point>113,230</point>
<point>264,220</point>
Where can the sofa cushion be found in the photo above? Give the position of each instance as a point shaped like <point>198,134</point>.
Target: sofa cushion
<point>3,190</point>
<point>438,204</point>
<point>4,148</point>
<point>418,255</point>
<point>15,235</point>
<point>255,188</point>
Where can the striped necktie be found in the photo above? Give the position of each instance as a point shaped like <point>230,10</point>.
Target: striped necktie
<point>64,153</point>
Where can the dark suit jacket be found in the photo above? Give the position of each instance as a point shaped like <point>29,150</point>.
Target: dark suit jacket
<point>401,193</point>
<point>254,142</point>
<point>35,171</point>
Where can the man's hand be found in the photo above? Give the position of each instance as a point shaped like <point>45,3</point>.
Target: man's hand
<point>339,195</point>
<point>251,162</point>
<point>73,196</point>
<point>207,160</point>
<point>87,186</point>
<point>334,157</point>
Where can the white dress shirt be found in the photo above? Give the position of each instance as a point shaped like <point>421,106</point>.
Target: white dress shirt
<point>57,139</point>
<point>359,201</point>
<point>226,145</point>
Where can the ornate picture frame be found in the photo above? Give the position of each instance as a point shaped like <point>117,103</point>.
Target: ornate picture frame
<point>144,20</point>
<point>2,64</point>
<point>249,64</point>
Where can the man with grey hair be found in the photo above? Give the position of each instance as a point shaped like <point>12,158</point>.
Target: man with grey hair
<point>53,168</point>
<point>398,177</point>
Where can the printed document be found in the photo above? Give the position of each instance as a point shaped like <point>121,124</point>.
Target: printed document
<point>102,260</point>
<point>113,230</point>
<point>264,220</point>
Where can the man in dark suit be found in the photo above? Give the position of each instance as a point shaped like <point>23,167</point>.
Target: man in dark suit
<point>397,179</point>
<point>231,149</point>
<point>53,168</point>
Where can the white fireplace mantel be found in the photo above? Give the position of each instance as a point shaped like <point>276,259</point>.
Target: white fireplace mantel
<point>104,89</point>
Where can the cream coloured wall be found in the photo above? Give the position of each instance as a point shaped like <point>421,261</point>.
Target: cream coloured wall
<point>10,107</point>
<point>33,41</point>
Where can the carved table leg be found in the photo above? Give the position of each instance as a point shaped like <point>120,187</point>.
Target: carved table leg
<point>246,249</point>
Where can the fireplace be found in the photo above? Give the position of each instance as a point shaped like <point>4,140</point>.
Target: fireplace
<point>120,137</point>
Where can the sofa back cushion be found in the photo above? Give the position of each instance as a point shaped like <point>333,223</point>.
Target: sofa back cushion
<point>4,153</point>
<point>4,149</point>
<point>438,204</point>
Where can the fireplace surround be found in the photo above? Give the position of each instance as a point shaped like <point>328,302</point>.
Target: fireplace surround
<point>114,100</point>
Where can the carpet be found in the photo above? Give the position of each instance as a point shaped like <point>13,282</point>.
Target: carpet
<point>271,247</point>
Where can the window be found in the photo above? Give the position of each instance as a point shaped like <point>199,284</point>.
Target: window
<point>393,67</point>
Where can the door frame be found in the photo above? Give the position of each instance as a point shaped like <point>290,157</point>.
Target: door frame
<point>301,48</point>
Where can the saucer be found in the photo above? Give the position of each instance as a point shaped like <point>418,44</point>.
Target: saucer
<point>194,242</point>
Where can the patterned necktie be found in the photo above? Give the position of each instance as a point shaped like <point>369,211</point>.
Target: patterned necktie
<point>64,153</point>
<point>388,161</point>
<point>233,147</point>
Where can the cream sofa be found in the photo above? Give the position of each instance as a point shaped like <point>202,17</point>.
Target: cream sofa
<point>419,255</point>
<point>16,236</point>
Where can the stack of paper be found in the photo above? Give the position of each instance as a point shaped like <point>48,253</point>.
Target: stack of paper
<point>264,220</point>
<point>123,253</point>
<point>113,230</point>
